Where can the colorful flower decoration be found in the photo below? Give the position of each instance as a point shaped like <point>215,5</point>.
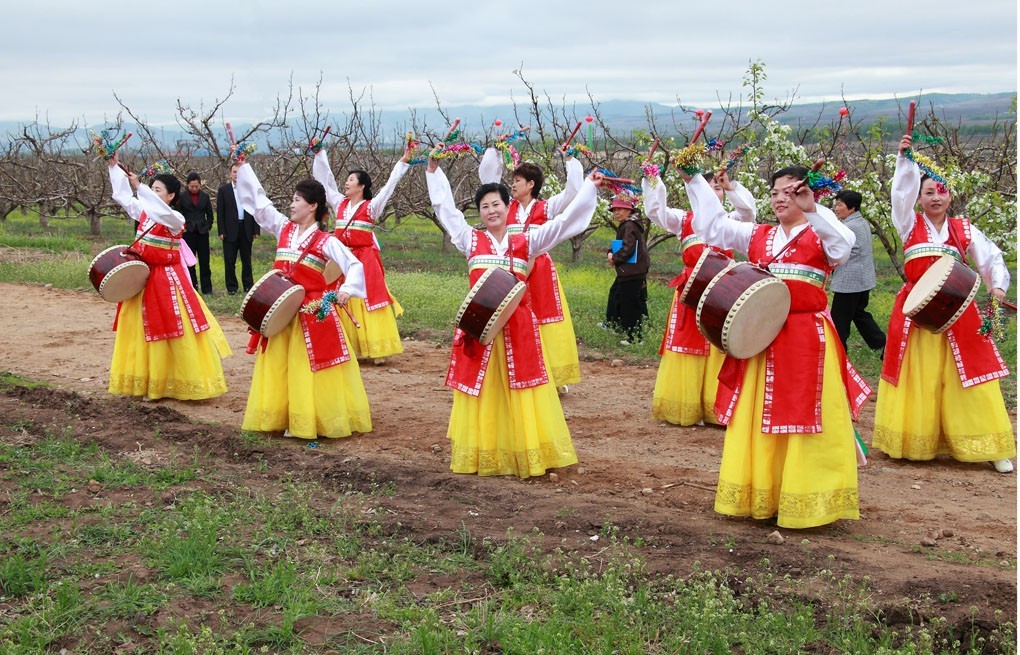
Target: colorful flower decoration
<point>992,324</point>
<point>715,145</point>
<point>929,168</point>
<point>823,186</point>
<point>510,156</point>
<point>412,142</point>
<point>322,307</point>
<point>617,187</point>
<point>576,148</point>
<point>651,171</point>
<point>157,168</point>
<point>735,157</point>
<point>689,158</point>
<point>317,144</point>
<point>243,149</point>
<point>451,137</point>
<point>918,137</point>
<point>104,145</point>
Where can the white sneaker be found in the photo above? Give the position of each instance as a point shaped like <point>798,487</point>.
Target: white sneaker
<point>626,342</point>
<point>1003,465</point>
<point>563,390</point>
<point>381,361</point>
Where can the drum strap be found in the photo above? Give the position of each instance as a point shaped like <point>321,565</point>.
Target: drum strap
<point>304,253</point>
<point>789,244</point>
<point>141,236</point>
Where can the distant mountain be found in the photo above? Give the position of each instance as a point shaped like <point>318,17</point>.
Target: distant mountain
<point>975,113</point>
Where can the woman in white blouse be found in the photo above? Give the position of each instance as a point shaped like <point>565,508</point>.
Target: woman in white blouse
<point>306,381</point>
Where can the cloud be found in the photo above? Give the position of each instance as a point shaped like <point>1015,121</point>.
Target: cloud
<point>66,58</point>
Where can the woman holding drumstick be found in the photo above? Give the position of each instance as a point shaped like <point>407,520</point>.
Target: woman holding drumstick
<point>306,381</point>
<point>939,393</point>
<point>357,209</point>
<point>506,417</point>
<point>168,343</point>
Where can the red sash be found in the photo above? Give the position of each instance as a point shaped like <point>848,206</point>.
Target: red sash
<point>470,359</point>
<point>795,360</point>
<point>324,340</point>
<point>543,283</point>
<point>356,234</point>
<point>162,315</point>
<point>977,358</point>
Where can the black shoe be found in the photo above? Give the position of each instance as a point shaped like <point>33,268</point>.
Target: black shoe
<point>231,293</point>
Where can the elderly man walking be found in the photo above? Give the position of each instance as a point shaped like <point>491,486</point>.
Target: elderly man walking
<point>853,280</point>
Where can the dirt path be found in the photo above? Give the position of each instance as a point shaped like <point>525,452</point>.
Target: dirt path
<point>652,480</point>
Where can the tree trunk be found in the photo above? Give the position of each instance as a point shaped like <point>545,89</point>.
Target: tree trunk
<point>95,226</point>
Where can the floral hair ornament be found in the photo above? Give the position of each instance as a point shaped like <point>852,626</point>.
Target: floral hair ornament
<point>925,163</point>
<point>319,142</point>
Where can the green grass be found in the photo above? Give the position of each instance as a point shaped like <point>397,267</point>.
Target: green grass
<point>262,566</point>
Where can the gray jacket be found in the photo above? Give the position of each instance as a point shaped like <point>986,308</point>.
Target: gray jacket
<point>858,273</point>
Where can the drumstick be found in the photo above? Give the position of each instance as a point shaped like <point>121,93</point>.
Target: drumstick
<point>141,236</point>
<point>1007,304</point>
<point>453,128</point>
<point>814,169</point>
<point>618,180</point>
<point>572,134</point>
<point>230,135</point>
<point>701,126</point>
<point>351,316</point>
<point>321,139</point>
<point>655,144</point>
<point>910,117</point>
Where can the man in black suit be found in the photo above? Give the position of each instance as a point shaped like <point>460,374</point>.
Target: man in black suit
<point>196,206</point>
<point>238,230</point>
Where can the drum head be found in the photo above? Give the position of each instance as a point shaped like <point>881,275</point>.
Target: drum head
<point>756,318</point>
<point>124,281</point>
<point>503,313</point>
<point>283,311</point>
<point>928,285</point>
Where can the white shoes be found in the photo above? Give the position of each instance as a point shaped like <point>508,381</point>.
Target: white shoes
<point>381,361</point>
<point>1003,465</point>
<point>563,390</point>
<point>626,342</point>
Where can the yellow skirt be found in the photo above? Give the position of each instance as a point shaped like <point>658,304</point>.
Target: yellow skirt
<point>685,387</point>
<point>287,395</point>
<point>560,346</point>
<point>505,431</point>
<point>378,336</point>
<point>930,413</point>
<point>805,480</point>
<point>186,368</point>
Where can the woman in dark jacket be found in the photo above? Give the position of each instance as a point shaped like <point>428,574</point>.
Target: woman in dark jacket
<point>628,297</point>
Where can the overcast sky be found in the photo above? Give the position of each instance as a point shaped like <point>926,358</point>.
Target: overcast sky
<point>63,60</point>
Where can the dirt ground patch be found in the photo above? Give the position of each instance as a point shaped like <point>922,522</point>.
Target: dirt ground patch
<point>653,481</point>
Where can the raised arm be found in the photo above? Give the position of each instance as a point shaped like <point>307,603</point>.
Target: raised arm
<point>989,262</point>
<point>575,176</point>
<point>654,193</point>
<point>323,174</point>
<point>122,193</point>
<point>906,185</point>
<point>572,221</point>
<point>744,208</point>
<point>377,205</point>
<point>711,221</point>
<point>255,202</point>
<point>451,218</point>
<point>354,272</point>
<point>490,168</point>
<point>837,239</point>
